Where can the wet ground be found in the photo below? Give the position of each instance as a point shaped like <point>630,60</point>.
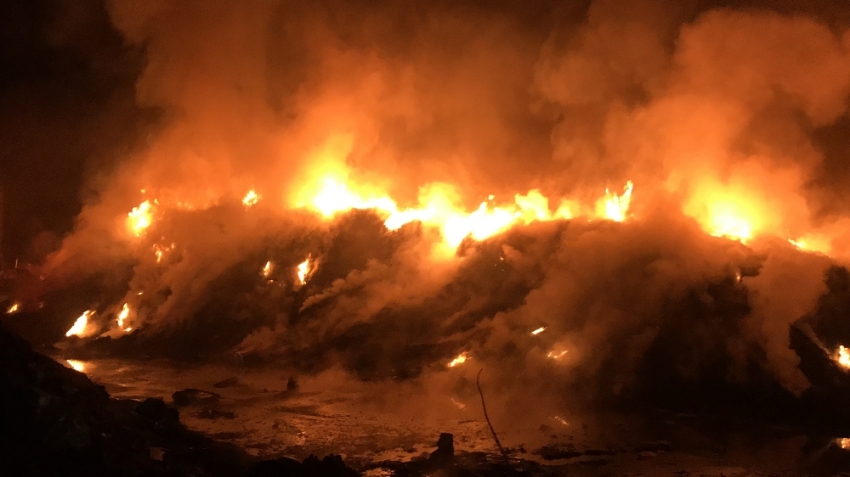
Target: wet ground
<point>269,415</point>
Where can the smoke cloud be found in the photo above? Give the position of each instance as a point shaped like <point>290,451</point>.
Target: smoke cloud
<point>723,116</point>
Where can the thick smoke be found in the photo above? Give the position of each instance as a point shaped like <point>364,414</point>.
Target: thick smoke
<point>698,104</point>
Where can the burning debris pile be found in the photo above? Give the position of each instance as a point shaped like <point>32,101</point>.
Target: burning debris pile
<point>637,203</point>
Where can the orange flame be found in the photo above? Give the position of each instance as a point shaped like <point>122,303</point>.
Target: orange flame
<point>250,198</point>
<point>122,317</point>
<point>80,327</point>
<point>76,365</point>
<point>459,359</point>
<point>13,308</point>
<point>267,269</point>
<point>140,218</point>
<point>538,331</point>
<point>615,207</point>
<point>303,270</point>
<point>843,357</point>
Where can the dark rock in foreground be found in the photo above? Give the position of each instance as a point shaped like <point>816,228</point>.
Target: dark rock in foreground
<point>55,421</point>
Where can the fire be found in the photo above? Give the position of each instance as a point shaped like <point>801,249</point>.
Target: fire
<point>76,365</point>
<point>160,250</point>
<point>459,359</point>
<point>122,317</point>
<point>303,270</point>
<point>140,218</point>
<point>267,269</point>
<point>843,357</point>
<point>439,207</point>
<point>615,206</point>
<point>80,326</point>
<point>13,308</point>
<point>250,198</point>
<point>556,355</point>
<point>538,331</point>
<point>843,442</point>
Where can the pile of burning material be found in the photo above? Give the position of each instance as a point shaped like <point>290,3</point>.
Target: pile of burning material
<point>55,421</point>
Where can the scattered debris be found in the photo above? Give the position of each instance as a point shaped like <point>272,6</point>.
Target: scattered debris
<point>193,397</point>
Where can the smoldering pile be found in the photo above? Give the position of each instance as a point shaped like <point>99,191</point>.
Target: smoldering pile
<point>651,311</point>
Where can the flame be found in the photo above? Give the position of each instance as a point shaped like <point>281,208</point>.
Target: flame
<point>843,442</point>
<point>439,207</point>
<point>538,331</point>
<point>843,357</point>
<point>561,420</point>
<point>160,250</point>
<point>80,326</point>
<point>13,308</point>
<point>140,218</point>
<point>556,355</point>
<point>812,243</point>
<point>303,270</point>
<point>122,317</point>
<point>459,359</point>
<point>78,366</point>
<point>615,207</point>
<point>267,269</point>
<point>250,198</point>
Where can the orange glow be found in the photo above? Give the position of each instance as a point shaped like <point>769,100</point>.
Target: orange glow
<point>813,243</point>
<point>80,327</point>
<point>122,318</point>
<point>140,218</point>
<point>556,354</point>
<point>538,331</point>
<point>76,365</point>
<point>303,270</point>
<point>459,359</point>
<point>440,207</point>
<point>843,357</point>
<point>250,198</point>
<point>12,309</point>
<point>616,207</point>
<point>267,269</point>
<point>160,250</point>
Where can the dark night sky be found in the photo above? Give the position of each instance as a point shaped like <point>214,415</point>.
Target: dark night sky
<point>66,92</point>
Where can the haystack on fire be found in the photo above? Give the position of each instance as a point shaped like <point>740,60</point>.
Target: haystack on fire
<point>593,205</point>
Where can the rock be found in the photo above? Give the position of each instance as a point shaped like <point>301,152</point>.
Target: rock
<point>191,397</point>
<point>445,453</point>
<point>331,466</point>
<point>226,383</point>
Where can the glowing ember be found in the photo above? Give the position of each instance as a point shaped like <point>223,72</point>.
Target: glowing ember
<point>843,442</point>
<point>250,198</point>
<point>79,327</point>
<point>556,355</point>
<point>538,330</point>
<point>76,365</point>
<point>617,206</point>
<point>459,359</point>
<point>561,420</point>
<point>140,218</point>
<point>160,250</point>
<point>459,404</point>
<point>13,308</point>
<point>303,270</point>
<point>267,269</point>
<point>843,356</point>
<point>122,317</point>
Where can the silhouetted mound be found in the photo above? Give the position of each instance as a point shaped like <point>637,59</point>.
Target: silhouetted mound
<point>55,421</point>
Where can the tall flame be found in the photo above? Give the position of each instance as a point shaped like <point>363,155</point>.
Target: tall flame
<point>843,356</point>
<point>122,317</point>
<point>80,327</point>
<point>303,270</point>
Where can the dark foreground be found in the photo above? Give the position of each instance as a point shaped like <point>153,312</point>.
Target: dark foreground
<point>56,421</point>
